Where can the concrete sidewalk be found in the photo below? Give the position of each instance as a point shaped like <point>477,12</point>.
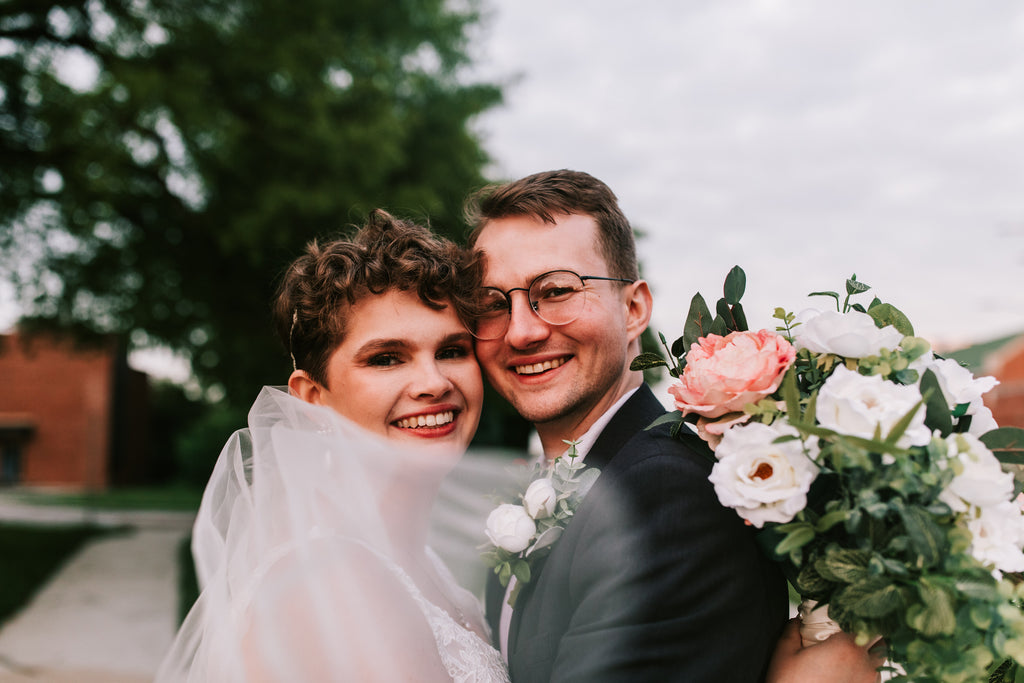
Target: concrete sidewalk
<point>110,613</point>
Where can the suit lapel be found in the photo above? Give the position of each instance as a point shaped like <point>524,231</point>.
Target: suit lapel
<point>636,413</point>
<point>639,411</point>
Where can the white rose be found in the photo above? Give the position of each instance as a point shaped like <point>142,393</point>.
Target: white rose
<point>959,385</point>
<point>850,403</point>
<point>997,534</point>
<point>982,422</point>
<point>851,335</point>
<point>510,527</point>
<point>539,499</point>
<point>763,481</point>
<point>979,478</point>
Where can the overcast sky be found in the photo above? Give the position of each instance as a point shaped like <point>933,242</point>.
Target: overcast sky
<point>804,141</point>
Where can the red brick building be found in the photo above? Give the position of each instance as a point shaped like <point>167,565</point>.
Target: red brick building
<point>72,417</point>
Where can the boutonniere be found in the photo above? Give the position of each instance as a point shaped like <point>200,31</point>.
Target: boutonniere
<point>522,533</point>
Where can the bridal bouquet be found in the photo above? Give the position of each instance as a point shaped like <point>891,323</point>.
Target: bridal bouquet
<point>873,471</point>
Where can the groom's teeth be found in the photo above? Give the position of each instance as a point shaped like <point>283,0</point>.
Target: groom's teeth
<point>433,420</point>
<point>539,367</point>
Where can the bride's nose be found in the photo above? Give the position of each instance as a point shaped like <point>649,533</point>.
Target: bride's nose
<point>430,380</point>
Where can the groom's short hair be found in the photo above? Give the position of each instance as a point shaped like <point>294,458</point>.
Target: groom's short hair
<point>552,193</point>
<point>388,253</point>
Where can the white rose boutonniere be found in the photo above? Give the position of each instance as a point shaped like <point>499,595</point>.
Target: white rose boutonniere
<point>521,534</point>
<point>510,527</point>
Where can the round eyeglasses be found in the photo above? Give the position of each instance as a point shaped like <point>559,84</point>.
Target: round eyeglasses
<point>557,297</point>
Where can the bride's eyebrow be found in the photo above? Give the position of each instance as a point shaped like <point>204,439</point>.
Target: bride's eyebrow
<point>380,345</point>
<point>457,338</point>
<point>383,345</point>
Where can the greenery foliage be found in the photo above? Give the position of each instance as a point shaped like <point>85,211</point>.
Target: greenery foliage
<point>164,161</point>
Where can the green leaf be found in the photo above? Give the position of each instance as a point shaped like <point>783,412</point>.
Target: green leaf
<point>791,395</point>
<point>934,616</point>
<point>1007,443</point>
<point>834,295</point>
<point>680,347</point>
<point>926,536</point>
<point>673,416</point>
<point>719,326</point>
<point>855,287</point>
<point>937,415</point>
<point>795,539</point>
<point>871,598</point>
<point>646,361</point>
<point>830,519</point>
<point>811,584</point>
<point>843,565</point>
<point>723,311</point>
<point>740,317</point>
<point>698,322</point>
<point>735,285</point>
<point>504,573</point>
<point>887,314</point>
<point>900,428</point>
<point>521,570</point>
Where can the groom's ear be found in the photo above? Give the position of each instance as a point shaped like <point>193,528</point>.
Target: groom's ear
<point>639,304</point>
<point>305,387</point>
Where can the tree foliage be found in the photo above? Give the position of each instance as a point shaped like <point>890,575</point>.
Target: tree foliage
<point>162,162</point>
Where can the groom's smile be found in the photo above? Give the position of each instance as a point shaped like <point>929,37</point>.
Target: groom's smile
<point>540,367</point>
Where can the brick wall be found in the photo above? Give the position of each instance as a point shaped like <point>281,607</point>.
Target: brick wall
<point>1007,399</point>
<point>67,393</point>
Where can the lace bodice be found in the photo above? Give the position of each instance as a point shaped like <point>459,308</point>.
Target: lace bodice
<point>467,658</point>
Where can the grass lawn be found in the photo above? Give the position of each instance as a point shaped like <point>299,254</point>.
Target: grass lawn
<point>31,554</point>
<point>177,498</point>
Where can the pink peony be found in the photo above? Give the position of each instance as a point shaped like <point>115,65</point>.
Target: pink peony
<point>723,374</point>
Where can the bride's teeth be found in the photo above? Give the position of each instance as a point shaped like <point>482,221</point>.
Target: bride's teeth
<point>539,367</point>
<point>433,420</point>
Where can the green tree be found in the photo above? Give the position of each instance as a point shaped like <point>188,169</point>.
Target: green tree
<point>163,161</point>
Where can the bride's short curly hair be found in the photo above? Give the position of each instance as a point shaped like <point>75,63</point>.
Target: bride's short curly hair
<point>386,254</point>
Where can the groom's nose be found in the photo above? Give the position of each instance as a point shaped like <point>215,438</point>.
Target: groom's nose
<point>525,327</point>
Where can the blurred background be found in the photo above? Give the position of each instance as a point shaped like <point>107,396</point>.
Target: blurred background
<point>160,163</point>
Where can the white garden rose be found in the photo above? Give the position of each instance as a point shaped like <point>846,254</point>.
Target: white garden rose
<point>959,385</point>
<point>539,499</point>
<point>851,335</point>
<point>997,535</point>
<point>510,527</point>
<point>982,422</point>
<point>856,405</point>
<point>979,478</point>
<point>763,481</point>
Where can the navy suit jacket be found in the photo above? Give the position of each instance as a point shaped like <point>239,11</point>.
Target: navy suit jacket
<point>652,580</point>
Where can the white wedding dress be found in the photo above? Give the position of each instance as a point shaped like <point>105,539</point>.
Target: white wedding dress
<point>306,544</point>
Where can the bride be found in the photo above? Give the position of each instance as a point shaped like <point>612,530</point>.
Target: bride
<point>310,542</point>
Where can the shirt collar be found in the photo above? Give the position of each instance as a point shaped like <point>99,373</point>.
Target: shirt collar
<point>586,441</point>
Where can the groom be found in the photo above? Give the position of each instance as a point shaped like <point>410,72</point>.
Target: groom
<point>653,580</point>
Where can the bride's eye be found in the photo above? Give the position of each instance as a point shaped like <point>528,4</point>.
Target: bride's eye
<point>383,360</point>
<point>455,352</point>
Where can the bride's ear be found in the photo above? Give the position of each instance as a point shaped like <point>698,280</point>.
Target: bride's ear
<point>305,387</point>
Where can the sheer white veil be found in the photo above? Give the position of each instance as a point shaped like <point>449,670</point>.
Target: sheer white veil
<point>303,516</point>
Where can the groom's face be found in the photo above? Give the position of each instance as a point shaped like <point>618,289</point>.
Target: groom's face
<point>563,376</point>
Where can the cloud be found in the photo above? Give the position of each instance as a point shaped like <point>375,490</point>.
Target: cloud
<point>805,141</point>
